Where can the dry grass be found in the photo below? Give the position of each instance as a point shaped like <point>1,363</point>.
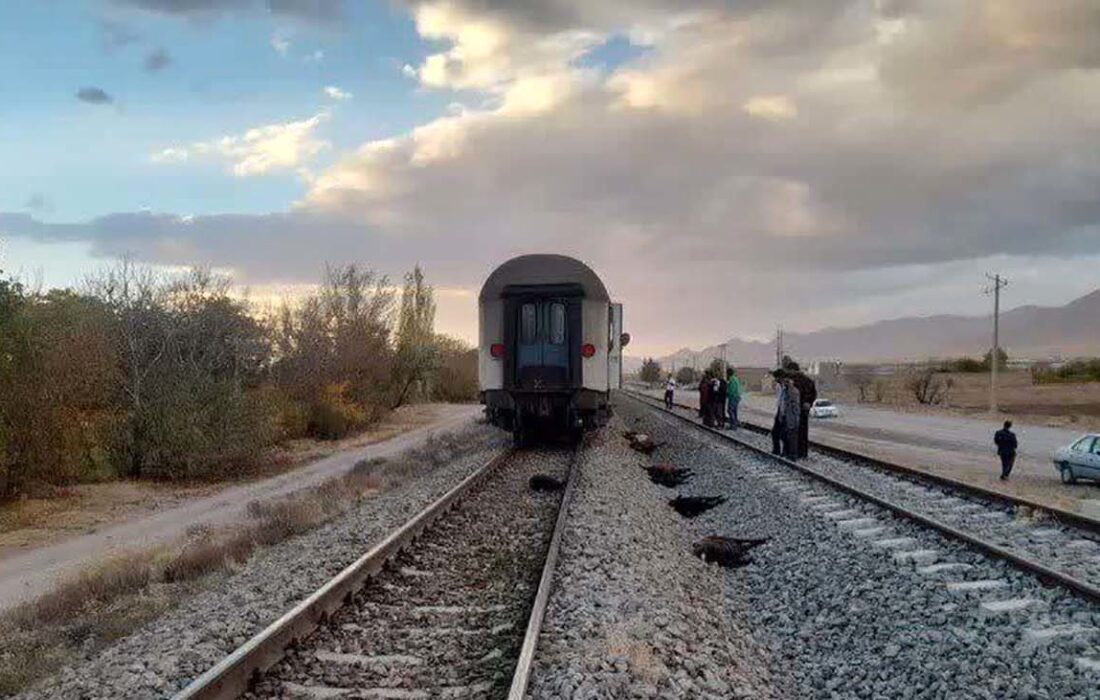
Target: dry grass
<point>115,598</point>
<point>1075,405</point>
<point>72,598</point>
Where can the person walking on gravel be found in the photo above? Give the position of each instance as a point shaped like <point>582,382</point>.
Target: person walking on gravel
<point>1006,443</point>
<point>670,391</point>
<point>733,397</point>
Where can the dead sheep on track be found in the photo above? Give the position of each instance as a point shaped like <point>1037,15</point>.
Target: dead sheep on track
<point>691,506</point>
<point>730,552</point>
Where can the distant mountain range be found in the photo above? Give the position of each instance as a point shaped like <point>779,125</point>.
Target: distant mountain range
<point>1036,332</point>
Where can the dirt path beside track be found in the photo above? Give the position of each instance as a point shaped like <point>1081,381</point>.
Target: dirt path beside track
<point>25,574</point>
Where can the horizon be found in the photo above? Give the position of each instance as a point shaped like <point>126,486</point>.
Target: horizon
<point>873,322</point>
<point>813,165</point>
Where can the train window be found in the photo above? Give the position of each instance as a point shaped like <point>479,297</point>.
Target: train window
<point>557,324</point>
<point>528,324</point>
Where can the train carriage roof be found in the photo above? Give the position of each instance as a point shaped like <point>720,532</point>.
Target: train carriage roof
<point>543,269</point>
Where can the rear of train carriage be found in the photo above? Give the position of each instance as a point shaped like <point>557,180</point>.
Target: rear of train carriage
<point>550,347</point>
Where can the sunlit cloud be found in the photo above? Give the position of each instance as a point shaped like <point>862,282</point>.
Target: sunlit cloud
<point>259,150</point>
<point>336,93</point>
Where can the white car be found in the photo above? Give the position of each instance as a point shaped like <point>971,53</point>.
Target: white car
<point>824,408</point>
<point>1081,460</point>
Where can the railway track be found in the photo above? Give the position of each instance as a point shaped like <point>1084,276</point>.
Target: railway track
<point>450,605</point>
<point>857,597</point>
<point>1066,553</point>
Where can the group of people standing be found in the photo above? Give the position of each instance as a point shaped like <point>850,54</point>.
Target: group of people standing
<point>719,398</point>
<point>791,427</point>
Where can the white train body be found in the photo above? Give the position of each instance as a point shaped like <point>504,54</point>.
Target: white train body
<point>550,345</point>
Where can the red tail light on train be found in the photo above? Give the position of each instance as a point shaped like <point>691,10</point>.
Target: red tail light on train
<point>588,350</point>
<point>497,350</point>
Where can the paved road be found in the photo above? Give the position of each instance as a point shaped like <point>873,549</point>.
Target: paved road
<point>30,573</point>
<point>953,446</point>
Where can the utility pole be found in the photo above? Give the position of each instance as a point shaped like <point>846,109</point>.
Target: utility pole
<point>778,347</point>
<point>999,283</point>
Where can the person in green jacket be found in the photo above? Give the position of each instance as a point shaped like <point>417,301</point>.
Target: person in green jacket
<point>733,397</point>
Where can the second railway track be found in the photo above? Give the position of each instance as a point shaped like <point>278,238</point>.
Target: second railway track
<point>857,598</point>
<point>1066,552</point>
<point>450,611</point>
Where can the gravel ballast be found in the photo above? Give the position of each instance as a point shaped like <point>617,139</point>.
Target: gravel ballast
<point>164,656</point>
<point>633,614</point>
<point>854,603</point>
<point>1060,546</point>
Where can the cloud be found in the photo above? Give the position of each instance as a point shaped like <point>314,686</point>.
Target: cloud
<point>754,154</point>
<point>774,107</point>
<point>336,93</point>
<point>93,95</point>
<point>306,10</point>
<point>157,60</point>
<point>281,44</point>
<point>170,155</point>
<point>258,151</point>
<point>312,10</point>
<point>962,55</point>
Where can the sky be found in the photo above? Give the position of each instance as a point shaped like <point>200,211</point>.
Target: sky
<point>724,165</point>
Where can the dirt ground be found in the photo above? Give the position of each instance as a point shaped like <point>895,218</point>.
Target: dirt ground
<point>86,508</point>
<point>1074,406</point>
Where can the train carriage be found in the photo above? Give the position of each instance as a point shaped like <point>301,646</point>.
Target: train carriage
<point>550,345</point>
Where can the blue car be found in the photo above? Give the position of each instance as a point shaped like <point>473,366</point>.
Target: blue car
<point>1081,460</point>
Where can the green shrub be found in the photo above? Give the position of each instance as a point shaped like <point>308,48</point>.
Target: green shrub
<point>333,416</point>
<point>1087,370</point>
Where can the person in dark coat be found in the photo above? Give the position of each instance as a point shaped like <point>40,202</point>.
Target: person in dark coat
<point>1006,443</point>
<point>791,407</point>
<point>720,402</point>
<point>704,401</point>
<point>779,426</point>
<point>807,391</point>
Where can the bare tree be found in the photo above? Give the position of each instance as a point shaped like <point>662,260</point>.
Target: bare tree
<point>136,297</point>
<point>416,352</point>
<point>863,380</point>
<point>929,387</point>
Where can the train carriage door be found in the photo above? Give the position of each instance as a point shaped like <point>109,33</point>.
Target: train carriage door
<point>528,345</point>
<point>615,347</point>
<point>542,344</point>
<point>555,352</point>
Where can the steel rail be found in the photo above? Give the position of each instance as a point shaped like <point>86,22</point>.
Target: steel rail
<point>1044,572</point>
<point>521,677</point>
<point>231,676</point>
<point>1060,514</point>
